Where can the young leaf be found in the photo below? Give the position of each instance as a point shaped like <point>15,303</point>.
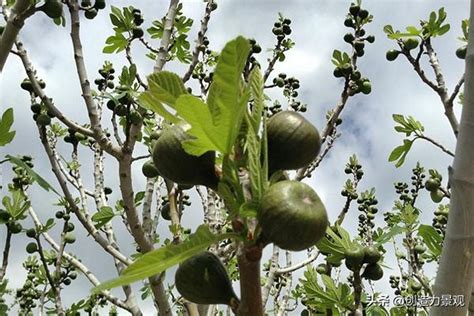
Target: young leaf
<point>400,152</point>
<point>103,216</point>
<point>159,260</point>
<point>252,148</point>
<point>6,136</point>
<point>226,101</point>
<point>256,89</point>
<point>432,239</point>
<point>164,88</point>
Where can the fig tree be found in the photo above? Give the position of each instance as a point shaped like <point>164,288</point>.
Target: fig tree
<point>292,215</point>
<point>174,163</point>
<point>293,142</point>
<point>203,279</point>
<point>149,170</point>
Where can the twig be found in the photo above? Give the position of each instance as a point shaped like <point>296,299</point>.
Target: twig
<point>6,252</point>
<point>54,286</point>
<point>148,46</point>
<point>72,204</point>
<point>284,302</point>
<point>199,40</point>
<point>444,149</point>
<point>30,71</point>
<point>15,21</point>
<point>140,157</point>
<point>271,275</point>
<point>456,90</point>
<point>314,255</point>
<point>128,55</point>
<point>92,109</point>
<point>273,60</point>
<point>165,39</point>
<point>443,91</point>
<point>76,263</point>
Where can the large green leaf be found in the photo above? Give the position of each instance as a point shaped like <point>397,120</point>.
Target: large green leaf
<point>159,260</point>
<point>103,216</point>
<point>16,205</point>
<point>6,136</point>
<point>216,126</point>
<point>36,177</point>
<point>256,88</point>
<point>432,239</point>
<point>399,153</point>
<point>164,88</point>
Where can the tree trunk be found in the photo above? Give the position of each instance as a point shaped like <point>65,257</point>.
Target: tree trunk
<point>456,269</point>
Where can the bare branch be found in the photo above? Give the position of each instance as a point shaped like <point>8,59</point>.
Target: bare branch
<point>456,90</point>
<point>76,263</point>
<point>30,71</point>
<point>444,149</point>
<point>271,275</point>
<point>72,204</point>
<point>199,41</point>
<point>15,21</point>
<point>6,253</point>
<point>92,108</point>
<point>314,255</point>
<point>165,39</point>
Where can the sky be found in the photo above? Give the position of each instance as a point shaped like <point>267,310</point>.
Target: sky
<point>367,128</point>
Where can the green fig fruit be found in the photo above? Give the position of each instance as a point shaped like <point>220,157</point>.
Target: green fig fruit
<point>203,279</point>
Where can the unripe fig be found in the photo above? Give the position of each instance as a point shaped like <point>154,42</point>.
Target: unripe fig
<point>293,142</point>
<point>371,254</point>
<point>373,272</point>
<point>392,54</point>
<point>292,215</point>
<point>410,43</point>
<point>32,247</point>
<point>354,257</point>
<point>52,8</point>
<point>203,279</point>
<point>461,52</point>
<point>174,163</point>
<point>90,13</point>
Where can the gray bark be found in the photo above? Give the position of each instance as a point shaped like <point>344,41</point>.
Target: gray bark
<point>456,270</point>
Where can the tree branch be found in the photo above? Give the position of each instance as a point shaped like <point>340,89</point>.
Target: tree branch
<point>72,204</point>
<point>30,71</point>
<point>199,40</point>
<point>6,252</point>
<point>76,263</point>
<point>165,39</point>
<point>15,21</point>
<point>92,108</point>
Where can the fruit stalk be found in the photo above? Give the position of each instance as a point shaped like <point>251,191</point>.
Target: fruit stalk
<point>250,288</point>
